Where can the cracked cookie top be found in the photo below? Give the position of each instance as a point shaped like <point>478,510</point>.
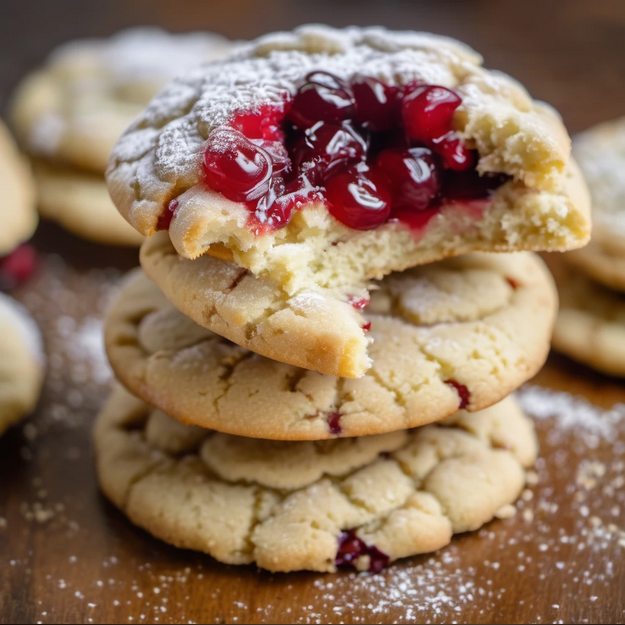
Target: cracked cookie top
<point>22,362</point>
<point>19,217</point>
<point>360,502</point>
<point>89,91</point>
<point>484,332</point>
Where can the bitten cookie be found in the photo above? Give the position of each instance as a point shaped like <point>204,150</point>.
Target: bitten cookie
<point>315,505</point>
<point>81,203</point>
<point>323,158</point>
<point>590,327</point>
<point>601,155</point>
<point>74,108</point>
<point>453,335</point>
<point>21,362</point>
<point>17,208</point>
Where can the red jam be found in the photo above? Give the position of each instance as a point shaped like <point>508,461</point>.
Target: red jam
<point>463,393</point>
<point>351,548</point>
<point>371,152</point>
<point>334,423</point>
<point>17,267</point>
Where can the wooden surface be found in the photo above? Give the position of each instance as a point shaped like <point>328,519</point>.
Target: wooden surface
<point>68,556</point>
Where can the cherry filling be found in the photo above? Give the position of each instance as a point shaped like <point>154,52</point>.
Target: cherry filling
<point>351,548</point>
<point>463,393</point>
<point>334,423</point>
<point>371,152</point>
<point>17,267</point>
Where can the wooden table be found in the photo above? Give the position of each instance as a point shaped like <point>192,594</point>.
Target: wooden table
<point>67,556</point>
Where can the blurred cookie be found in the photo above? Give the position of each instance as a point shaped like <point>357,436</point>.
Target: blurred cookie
<point>591,323</point>
<point>601,155</point>
<point>80,202</point>
<point>17,208</point>
<point>21,362</point>
<point>312,505</point>
<point>463,333</point>
<point>88,92</point>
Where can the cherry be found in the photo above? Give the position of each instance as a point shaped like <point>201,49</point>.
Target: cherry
<point>359,303</point>
<point>18,266</point>
<point>322,97</point>
<point>455,153</point>
<point>428,112</point>
<point>463,393</point>
<point>414,176</point>
<point>236,167</point>
<point>359,198</point>
<point>328,148</point>
<point>351,547</point>
<point>378,106</point>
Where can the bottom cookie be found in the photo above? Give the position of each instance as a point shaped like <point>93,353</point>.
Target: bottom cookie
<point>80,202</point>
<point>591,323</point>
<point>288,506</point>
<point>21,362</point>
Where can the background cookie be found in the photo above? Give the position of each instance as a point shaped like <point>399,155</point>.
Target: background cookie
<point>601,155</point>
<point>590,327</point>
<point>81,203</point>
<point>21,362</point>
<point>89,91</point>
<point>17,208</point>
<point>293,506</point>
<point>448,336</point>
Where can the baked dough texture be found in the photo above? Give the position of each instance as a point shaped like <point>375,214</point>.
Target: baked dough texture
<point>544,206</point>
<point>22,362</point>
<point>17,208</point>
<point>464,331</point>
<point>285,506</point>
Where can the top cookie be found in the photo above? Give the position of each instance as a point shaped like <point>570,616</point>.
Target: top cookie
<point>326,157</point>
<point>89,91</point>
<point>601,155</point>
<point>19,217</point>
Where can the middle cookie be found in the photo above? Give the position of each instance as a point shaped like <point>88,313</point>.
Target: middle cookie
<point>463,333</point>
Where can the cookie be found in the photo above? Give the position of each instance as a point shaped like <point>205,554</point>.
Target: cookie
<point>343,155</point>
<point>316,506</point>
<point>19,217</point>
<point>590,327</point>
<point>80,202</point>
<point>449,336</point>
<point>601,155</point>
<point>21,362</point>
<point>74,108</point>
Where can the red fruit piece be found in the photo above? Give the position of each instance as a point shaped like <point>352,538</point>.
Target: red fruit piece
<point>359,303</point>
<point>322,97</point>
<point>463,393</point>
<point>18,266</point>
<point>236,167</point>
<point>351,547</point>
<point>455,153</point>
<point>428,113</point>
<point>328,148</point>
<point>164,221</point>
<point>334,423</point>
<point>378,106</point>
<point>359,198</point>
<point>414,176</point>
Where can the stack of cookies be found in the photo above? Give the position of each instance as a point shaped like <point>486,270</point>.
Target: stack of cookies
<point>69,114</point>
<point>591,281</point>
<point>318,350</point>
